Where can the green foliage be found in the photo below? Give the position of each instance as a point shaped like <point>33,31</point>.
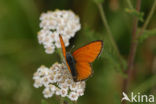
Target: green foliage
<point>135,13</point>
<point>146,85</point>
<point>146,35</point>
<point>110,55</point>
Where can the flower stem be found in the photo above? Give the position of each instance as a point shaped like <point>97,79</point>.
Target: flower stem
<point>104,20</point>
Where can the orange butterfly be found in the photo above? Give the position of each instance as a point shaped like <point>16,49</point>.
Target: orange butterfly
<point>78,62</point>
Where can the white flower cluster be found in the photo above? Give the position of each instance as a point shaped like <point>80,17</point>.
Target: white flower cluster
<point>53,23</point>
<point>58,80</point>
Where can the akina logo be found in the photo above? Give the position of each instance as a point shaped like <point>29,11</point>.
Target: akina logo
<point>138,98</point>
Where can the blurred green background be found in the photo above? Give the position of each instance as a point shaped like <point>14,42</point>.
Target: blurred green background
<point>21,55</point>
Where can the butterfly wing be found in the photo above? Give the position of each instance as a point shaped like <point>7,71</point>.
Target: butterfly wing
<point>64,51</point>
<point>83,71</point>
<point>63,46</point>
<point>84,56</point>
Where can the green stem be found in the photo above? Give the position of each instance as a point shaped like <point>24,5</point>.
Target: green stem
<point>129,4</point>
<point>132,53</point>
<point>148,18</point>
<point>104,20</point>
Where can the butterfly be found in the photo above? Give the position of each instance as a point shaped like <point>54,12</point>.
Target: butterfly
<point>79,62</point>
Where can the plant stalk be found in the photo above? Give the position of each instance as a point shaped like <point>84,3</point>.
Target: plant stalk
<point>132,53</point>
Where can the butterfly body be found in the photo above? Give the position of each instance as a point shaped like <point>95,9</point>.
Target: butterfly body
<point>79,62</point>
<point>71,62</point>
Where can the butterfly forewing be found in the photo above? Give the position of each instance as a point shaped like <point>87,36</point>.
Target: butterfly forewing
<point>64,51</point>
<point>63,46</point>
<point>88,53</point>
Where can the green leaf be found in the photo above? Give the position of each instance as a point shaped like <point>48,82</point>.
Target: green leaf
<point>134,12</point>
<point>146,35</point>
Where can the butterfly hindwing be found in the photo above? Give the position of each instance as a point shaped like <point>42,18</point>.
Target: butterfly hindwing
<point>83,71</point>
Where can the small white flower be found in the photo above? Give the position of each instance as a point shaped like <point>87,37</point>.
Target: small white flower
<point>36,76</point>
<point>63,86</point>
<point>52,87</point>
<point>69,81</point>
<point>45,81</point>
<point>64,92</point>
<point>38,83</point>
<point>47,93</point>
<point>53,23</point>
<point>52,78</point>
<point>73,87</point>
<point>50,48</point>
<point>73,96</point>
<point>58,77</point>
<point>80,92</point>
<point>83,84</point>
<point>42,71</point>
<point>58,91</point>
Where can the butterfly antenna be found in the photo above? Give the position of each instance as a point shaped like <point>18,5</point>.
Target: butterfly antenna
<point>72,48</point>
